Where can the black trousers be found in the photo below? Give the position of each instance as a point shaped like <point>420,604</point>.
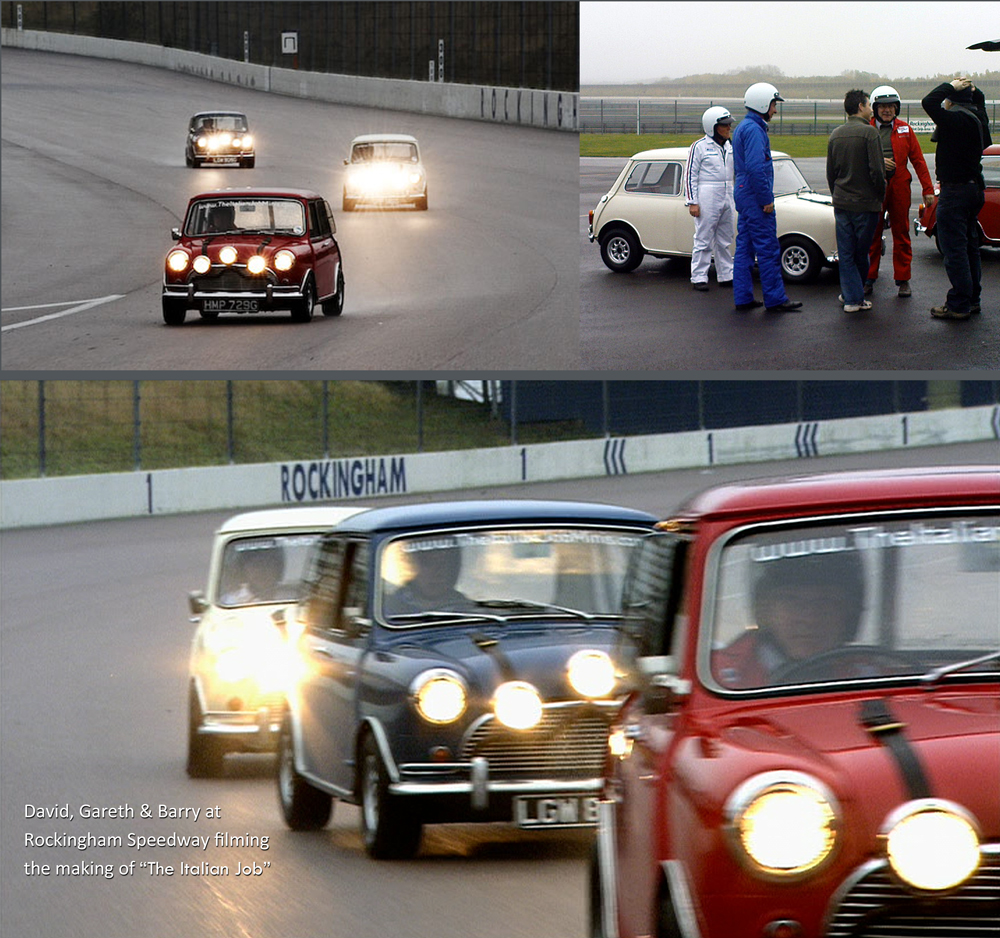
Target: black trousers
<point>958,234</point>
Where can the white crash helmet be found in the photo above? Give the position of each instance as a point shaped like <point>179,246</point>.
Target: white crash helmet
<point>760,95</point>
<point>884,94</point>
<point>713,116</point>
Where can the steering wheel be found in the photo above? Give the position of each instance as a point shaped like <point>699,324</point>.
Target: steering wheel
<point>860,656</point>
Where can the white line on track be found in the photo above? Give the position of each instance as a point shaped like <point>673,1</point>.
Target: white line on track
<point>78,308</point>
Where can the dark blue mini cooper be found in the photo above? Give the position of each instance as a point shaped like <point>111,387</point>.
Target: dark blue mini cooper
<point>456,662</point>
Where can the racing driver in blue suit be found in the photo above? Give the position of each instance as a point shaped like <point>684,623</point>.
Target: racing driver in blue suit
<point>757,232</point>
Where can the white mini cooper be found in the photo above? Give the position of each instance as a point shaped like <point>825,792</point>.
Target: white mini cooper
<point>644,213</point>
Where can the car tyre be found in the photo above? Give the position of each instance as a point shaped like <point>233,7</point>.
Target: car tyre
<point>621,251</point>
<point>206,753</point>
<point>174,311</point>
<point>248,162</point>
<point>302,311</point>
<point>595,924</point>
<point>187,160</point>
<point>335,306</point>
<point>422,202</point>
<point>349,203</point>
<point>801,260</point>
<point>389,831</point>
<point>667,925</point>
<point>305,808</point>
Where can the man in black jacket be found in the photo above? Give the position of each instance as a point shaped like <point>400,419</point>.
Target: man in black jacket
<point>958,109</point>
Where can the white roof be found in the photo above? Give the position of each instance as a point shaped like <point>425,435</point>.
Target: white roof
<point>308,518</point>
<point>678,153</point>
<point>384,138</point>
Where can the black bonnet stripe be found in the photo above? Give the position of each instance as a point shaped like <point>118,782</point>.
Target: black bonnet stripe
<point>876,718</point>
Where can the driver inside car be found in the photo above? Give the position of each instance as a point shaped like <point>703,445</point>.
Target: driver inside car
<point>432,584</point>
<point>802,607</point>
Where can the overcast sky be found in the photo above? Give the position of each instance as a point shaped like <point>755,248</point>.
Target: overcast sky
<point>642,42</point>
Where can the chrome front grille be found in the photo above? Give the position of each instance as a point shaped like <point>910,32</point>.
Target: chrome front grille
<point>229,280</point>
<point>569,743</point>
<point>876,906</point>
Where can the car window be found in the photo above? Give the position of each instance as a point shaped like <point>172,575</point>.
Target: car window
<point>491,571</point>
<point>263,569</point>
<point>356,585</point>
<point>322,586</point>
<point>234,123</point>
<point>212,216</point>
<point>656,176</point>
<point>788,177</point>
<point>319,222</point>
<point>383,150</point>
<point>991,170</point>
<point>653,596</point>
<point>859,598</point>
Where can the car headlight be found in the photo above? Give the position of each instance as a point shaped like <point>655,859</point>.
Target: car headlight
<point>247,142</point>
<point>440,695</point>
<point>228,254</point>
<point>784,823</point>
<point>591,673</point>
<point>177,261</point>
<point>284,260</point>
<point>202,142</point>
<point>202,263</point>
<point>517,705</point>
<point>415,178</point>
<point>932,845</point>
<point>256,264</point>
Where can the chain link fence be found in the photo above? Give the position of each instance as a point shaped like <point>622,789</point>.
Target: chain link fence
<point>52,428</point>
<point>683,115</point>
<point>514,45</point>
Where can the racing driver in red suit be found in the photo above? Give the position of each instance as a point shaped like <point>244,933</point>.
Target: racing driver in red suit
<point>899,140</point>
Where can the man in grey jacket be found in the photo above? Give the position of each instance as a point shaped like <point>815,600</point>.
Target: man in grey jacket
<point>855,173</point>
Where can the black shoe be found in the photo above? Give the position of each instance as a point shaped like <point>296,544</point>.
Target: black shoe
<point>869,287</point>
<point>744,307</point>
<point>975,308</point>
<point>703,287</point>
<point>787,307</point>
<point>726,283</point>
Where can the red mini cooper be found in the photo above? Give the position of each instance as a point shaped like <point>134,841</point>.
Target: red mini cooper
<point>254,250</point>
<point>811,748</point>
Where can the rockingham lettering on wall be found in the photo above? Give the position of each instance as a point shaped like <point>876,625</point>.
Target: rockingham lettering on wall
<point>343,478</point>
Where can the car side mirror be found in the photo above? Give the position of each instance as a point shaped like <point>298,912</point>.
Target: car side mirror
<point>354,624</point>
<point>662,690</point>
<point>347,162</point>
<point>175,233</point>
<point>197,604</point>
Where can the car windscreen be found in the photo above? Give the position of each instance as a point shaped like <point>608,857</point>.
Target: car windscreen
<point>214,216</point>
<point>263,569</point>
<point>853,600</point>
<point>235,123</point>
<point>991,170</point>
<point>504,573</point>
<point>788,177</point>
<point>390,150</point>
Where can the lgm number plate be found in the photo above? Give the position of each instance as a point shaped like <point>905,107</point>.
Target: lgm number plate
<point>571,810</point>
<point>232,305</point>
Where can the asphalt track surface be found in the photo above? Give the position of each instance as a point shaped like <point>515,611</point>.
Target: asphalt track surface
<point>652,320</point>
<point>94,179</point>
<point>95,639</point>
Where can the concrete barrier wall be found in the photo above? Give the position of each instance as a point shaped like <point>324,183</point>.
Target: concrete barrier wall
<point>33,502</point>
<point>553,110</point>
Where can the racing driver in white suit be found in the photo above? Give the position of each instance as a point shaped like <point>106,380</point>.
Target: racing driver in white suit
<point>708,193</point>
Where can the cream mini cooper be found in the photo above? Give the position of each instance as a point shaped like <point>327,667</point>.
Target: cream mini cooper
<point>237,671</point>
<point>644,213</point>
<point>384,170</point>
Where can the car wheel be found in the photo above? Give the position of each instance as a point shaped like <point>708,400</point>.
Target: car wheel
<point>302,311</point>
<point>800,259</point>
<point>937,243</point>
<point>349,203</point>
<point>422,202</point>
<point>335,306</point>
<point>174,311</point>
<point>388,829</point>
<point>187,159</point>
<point>667,925</point>
<point>205,753</point>
<point>305,808</point>
<point>621,251</point>
<point>595,925</point>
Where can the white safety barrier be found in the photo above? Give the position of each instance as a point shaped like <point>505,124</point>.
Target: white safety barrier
<point>553,110</point>
<point>33,502</point>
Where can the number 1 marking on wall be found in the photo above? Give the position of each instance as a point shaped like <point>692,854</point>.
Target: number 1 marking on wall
<point>524,463</point>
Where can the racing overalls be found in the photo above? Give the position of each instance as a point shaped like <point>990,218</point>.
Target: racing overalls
<point>897,200</point>
<point>708,183</point>
<point>757,232</point>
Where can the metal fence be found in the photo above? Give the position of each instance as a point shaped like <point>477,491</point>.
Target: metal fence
<point>683,115</point>
<point>509,44</point>
<point>52,428</point>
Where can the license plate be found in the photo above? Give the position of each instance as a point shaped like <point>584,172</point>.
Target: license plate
<point>571,810</point>
<point>232,305</point>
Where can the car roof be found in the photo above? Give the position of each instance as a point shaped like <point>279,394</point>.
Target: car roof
<point>221,113</point>
<point>681,153</point>
<point>313,518</point>
<point>895,488</point>
<point>384,138</point>
<point>493,511</point>
<point>250,192</point>
<point>992,150</point>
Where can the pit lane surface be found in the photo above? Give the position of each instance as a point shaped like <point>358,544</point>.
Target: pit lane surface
<point>95,639</point>
<point>651,319</point>
<point>94,179</point>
